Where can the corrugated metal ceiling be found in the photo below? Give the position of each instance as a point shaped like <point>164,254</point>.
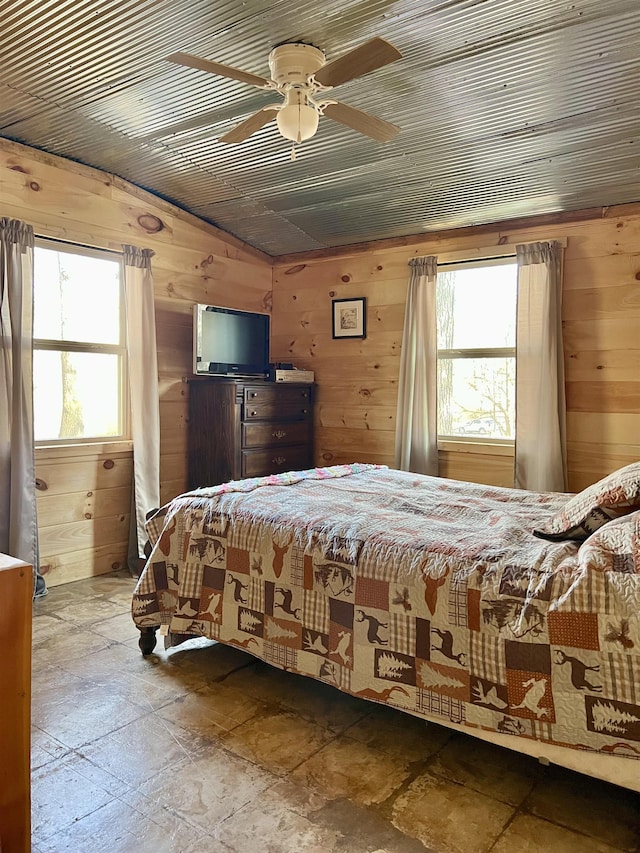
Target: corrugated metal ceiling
<point>507,108</point>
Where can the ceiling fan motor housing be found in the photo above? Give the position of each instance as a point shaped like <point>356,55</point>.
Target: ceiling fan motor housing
<point>294,63</point>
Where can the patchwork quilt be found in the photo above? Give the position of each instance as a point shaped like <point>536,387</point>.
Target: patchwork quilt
<point>427,594</point>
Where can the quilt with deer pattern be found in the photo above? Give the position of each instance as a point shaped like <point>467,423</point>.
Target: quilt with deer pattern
<point>428,594</point>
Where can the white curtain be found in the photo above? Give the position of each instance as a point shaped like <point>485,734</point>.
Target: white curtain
<point>18,519</point>
<point>416,420</point>
<point>540,454</point>
<point>143,382</point>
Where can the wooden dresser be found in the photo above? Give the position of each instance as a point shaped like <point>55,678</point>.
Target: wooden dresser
<point>16,592</point>
<point>248,428</point>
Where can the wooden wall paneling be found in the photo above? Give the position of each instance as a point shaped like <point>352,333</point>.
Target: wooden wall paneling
<point>80,208</point>
<point>190,231</point>
<point>616,428</point>
<point>173,419</point>
<point>602,238</point>
<point>77,473</point>
<point>587,236</point>
<point>476,468</point>
<point>173,475</point>
<point>173,331</point>
<point>351,363</point>
<point>242,290</point>
<point>602,303</point>
<point>83,504</point>
<point>321,346</point>
<point>355,362</point>
<point>339,271</point>
<point>60,194</point>
<point>172,437</point>
<point>172,388</point>
<point>76,506</point>
<point>587,461</point>
<point>169,489</point>
<point>609,397</point>
<point>377,418</point>
<point>602,365</point>
<point>174,362</point>
<point>361,391</point>
<point>356,381</point>
<point>588,456</point>
<point>603,272</point>
<point>78,564</point>
<point>318,299</point>
<point>601,320</point>
<point>192,262</point>
<point>605,334</point>
<point>339,445</point>
<point>81,535</point>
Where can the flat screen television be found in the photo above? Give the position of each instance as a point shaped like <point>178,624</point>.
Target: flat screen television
<point>227,342</point>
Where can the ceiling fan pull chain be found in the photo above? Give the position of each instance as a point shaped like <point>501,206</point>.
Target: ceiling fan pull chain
<point>293,152</point>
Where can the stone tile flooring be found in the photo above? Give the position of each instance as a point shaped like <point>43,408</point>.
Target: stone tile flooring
<point>204,748</point>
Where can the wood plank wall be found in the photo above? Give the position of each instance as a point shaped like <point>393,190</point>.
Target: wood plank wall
<point>84,491</point>
<point>357,379</point>
<point>83,497</point>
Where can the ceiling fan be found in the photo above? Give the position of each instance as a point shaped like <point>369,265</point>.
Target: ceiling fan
<point>301,75</point>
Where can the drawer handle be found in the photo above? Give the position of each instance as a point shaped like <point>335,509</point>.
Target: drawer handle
<point>279,433</point>
<point>305,411</point>
<point>253,394</point>
<point>252,414</point>
<point>278,460</point>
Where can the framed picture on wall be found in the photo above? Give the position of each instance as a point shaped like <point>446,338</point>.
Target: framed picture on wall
<point>349,318</point>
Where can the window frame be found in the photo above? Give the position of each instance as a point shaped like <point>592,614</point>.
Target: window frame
<point>73,346</point>
<point>444,441</point>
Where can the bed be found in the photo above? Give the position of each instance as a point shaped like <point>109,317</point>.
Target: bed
<point>430,595</point>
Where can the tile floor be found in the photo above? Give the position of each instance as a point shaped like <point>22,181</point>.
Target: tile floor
<point>203,748</point>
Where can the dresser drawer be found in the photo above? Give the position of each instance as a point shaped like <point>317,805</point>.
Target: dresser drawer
<point>276,410</point>
<point>276,433</point>
<point>275,460</point>
<point>274,393</point>
<point>275,402</point>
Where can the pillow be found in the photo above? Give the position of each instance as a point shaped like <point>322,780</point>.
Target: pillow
<point>615,547</point>
<point>615,495</point>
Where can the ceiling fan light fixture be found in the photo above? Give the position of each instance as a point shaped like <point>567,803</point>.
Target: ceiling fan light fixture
<point>297,121</point>
<point>300,74</point>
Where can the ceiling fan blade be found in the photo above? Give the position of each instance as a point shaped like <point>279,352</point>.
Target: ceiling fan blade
<point>217,68</point>
<point>249,104</point>
<point>361,60</point>
<point>196,123</point>
<point>376,128</point>
<point>244,130</point>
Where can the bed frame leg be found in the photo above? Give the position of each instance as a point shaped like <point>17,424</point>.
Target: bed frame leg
<point>147,641</point>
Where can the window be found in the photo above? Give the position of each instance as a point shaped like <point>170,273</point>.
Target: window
<point>79,358</point>
<point>476,324</point>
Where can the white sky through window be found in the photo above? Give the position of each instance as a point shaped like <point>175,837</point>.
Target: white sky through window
<point>484,306</point>
<point>76,299</point>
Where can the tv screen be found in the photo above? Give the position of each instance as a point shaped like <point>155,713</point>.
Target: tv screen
<point>228,342</point>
